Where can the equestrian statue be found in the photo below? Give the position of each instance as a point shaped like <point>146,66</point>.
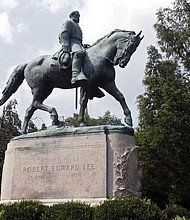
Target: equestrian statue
<point>45,73</point>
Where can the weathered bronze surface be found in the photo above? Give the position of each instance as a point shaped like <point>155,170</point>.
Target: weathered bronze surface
<point>43,74</point>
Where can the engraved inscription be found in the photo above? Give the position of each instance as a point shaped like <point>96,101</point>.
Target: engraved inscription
<point>36,177</point>
<point>67,167</point>
<point>61,167</point>
<point>38,172</point>
<point>76,175</point>
<point>88,167</point>
<point>55,148</point>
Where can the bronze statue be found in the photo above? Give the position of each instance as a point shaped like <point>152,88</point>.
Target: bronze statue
<point>44,73</point>
<point>70,38</point>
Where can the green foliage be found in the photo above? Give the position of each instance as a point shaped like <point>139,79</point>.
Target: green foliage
<point>10,125</point>
<point>172,211</point>
<point>163,131</point>
<point>10,122</point>
<point>70,211</point>
<point>31,127</point>
<point>107,118</point>
<point>128,209</point>
<point>164,122</point>
<point>23,210</point>
<point>116,209</point>
<point>43,126</point>
<point>173,31</point>
<point>180,218</point>
<point>72,121</point>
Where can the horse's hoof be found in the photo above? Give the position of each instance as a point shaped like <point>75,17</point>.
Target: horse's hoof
<point>82,124</point>
<point>58,123</point>
<point>22,132</point>
<point>55,123</point>
<point>128,121</point>
<point>61,124</point>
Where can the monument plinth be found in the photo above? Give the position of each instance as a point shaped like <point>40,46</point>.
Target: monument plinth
<point>58,164</point>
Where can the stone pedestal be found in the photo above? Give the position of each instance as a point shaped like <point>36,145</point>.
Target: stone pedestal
<point>59,164</point>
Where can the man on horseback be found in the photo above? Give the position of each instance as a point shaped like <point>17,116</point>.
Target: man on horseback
<point>70,38</point>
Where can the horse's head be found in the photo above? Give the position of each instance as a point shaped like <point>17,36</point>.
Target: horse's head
<point>125,48</point>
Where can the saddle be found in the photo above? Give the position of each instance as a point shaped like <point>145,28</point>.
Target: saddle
<point>64,59</point>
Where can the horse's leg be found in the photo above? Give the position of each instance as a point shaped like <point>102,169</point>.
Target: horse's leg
<point>38,105</point>
<point>38,97</point>
<point>112,89</point>
<point>51,110</point>
<point>83,104</point>
<point>29,112</point>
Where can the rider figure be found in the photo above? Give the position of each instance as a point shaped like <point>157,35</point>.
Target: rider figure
<point>70,38</point>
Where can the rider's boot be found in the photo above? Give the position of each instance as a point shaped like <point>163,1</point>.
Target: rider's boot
<point>77,74</point>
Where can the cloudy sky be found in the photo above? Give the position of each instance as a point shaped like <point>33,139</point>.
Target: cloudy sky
<point>30,28</point>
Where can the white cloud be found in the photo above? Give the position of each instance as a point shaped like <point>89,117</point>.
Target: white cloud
<point>7,5</point>
<point>55,5</point>
<point>52,5</point>
<point>6,29</point>
<point>99,17</point>
<point>21,27</point>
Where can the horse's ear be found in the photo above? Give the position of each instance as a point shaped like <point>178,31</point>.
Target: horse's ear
<point>138,35</point>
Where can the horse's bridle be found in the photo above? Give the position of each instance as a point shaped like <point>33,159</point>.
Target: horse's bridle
<point>121,47</point>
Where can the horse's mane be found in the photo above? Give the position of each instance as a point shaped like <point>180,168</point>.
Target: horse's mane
<point>113,32</point>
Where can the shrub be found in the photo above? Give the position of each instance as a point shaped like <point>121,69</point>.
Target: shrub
<point>129,208</point>
<point>23,210</point>
<point>70,211</point>
<point>180,218</point>
<point>174,210</point>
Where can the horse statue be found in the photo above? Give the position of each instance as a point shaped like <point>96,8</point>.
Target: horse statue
<point>43,74</point>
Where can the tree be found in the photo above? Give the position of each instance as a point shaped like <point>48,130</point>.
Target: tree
<point>164,120</point>
<point>173,31</point>
<point>31,127</point>
<point>107,118</point>
<point>163,131</point>
<point>10,124</point>
<point>43,126</point>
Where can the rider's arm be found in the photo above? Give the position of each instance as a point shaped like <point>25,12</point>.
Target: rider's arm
<point>64,36</point>
<point>64,41</point>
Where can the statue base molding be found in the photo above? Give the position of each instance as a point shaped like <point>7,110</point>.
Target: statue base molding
<point>89,164</point>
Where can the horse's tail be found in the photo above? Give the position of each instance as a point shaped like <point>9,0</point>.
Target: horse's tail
<point>15,80</point>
